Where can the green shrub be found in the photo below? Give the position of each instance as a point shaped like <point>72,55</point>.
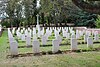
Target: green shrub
<point>5,24</point>
<point>98,22</point>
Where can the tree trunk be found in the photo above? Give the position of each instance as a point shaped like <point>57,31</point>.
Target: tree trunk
<point>11,22</point>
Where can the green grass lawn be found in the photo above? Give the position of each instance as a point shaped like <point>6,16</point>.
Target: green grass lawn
<point>74,59</point>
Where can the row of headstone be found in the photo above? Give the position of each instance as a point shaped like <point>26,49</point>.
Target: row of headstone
<point>74,44</point>
<point>56,31</point>
<point>55,43</point>
<point>34,29</point>
<point>65,33</point>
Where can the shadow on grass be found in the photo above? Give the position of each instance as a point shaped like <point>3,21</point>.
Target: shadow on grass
<point>51,53</point>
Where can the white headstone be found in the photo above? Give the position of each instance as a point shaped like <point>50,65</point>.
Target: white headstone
<point>77,34</point>
<point>96,33</point>
<point>42,32</point>
<point>36,47</point>
<point>0,27</point>
<point>85,38</point>
<point>88,33</point>
<point>30,32</point>
<point>73,36</point>
<point>67,35</point>
<point>44,40</point>
<point>14,48</point>
<point>55,46</point>
<point>11,39</point>
<point>64,33</point>
<point>22,31</point>
<point>56,33</point>
<point>29,29</point>
<point>23,37</point>
<point>26,32</point>
<point>96,37</point>
<point>19,35</point>
<point>13,31</point>
<point>35,38</point>
<point>90,42</point>
<point>47,35</point>
<point>72,32</point>
<point>34,31</point>
<point>59,38</point>
<point>19,29</point>
<point>28,41</point>
<point>73,44</point>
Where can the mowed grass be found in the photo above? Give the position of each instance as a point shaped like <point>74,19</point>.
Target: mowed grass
<point>74,59</point>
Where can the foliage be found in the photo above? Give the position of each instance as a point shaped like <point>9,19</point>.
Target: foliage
<point>5,24</point>
<point>98,22</point>
<point>18,10</point>
<point>91,6</point>
<point>84,19</point>
<point>12,10</point>
<point>51,12</point>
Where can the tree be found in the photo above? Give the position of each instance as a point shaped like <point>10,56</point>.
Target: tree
<point>51,12</point>
<point>21,10</point>
<point>92,6</point>
<point>10,10</point>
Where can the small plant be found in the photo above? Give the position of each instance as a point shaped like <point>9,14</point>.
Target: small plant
<point>98,22</point>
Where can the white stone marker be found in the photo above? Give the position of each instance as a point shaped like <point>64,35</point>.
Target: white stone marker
<point>30,32</point>
<point>35,38</point>
<point>0,27</point>
<point>34,32</point>
<point>28,41</point>
<point>26,32</point>
<point>55,46</point>
<point>96,37</point>
<point>59,38</point>
<point>47,35</point>
<point>77,34</point>
<point>73,44</point>
<point>42,32</point>
<point>14,48</point>
<point>68,35</point>
<point>13,31</point>
<point>85,37</point>
<point>22,31</point>
<point>23,37</point>
<point>72,32</point>
<point>90,42</point>
<point>36,47</point>
<point>73,36</point>
<point>19,29</point>
<point>44,40</point>
<point>64,33</point>
<point>95,32</point>
<point>11,39</point>
<point>88,33</point>
<point>56,33</point>
<point>19,35</point>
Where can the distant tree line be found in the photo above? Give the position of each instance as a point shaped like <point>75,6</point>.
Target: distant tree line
<point>57,12</point>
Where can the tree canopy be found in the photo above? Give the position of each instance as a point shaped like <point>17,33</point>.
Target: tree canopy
<point>58,12</point>
<point>92,6</point>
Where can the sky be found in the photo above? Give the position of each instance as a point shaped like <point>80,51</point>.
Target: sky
<point>2,12</point>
